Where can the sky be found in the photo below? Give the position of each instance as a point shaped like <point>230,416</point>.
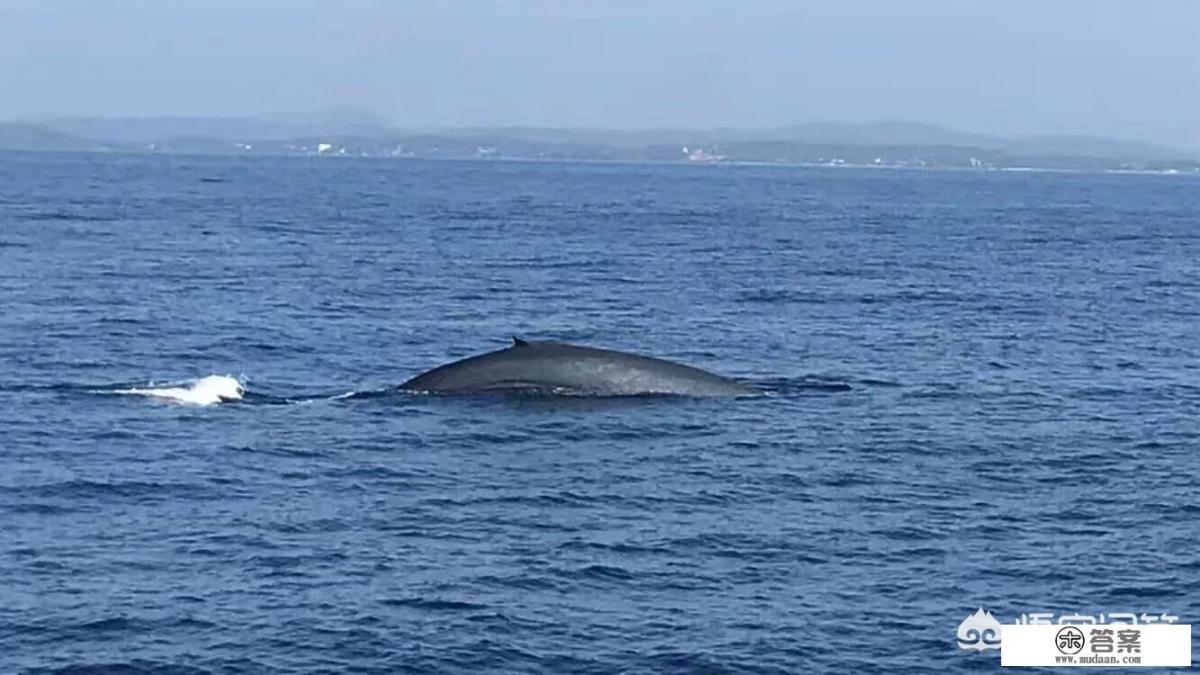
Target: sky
<point>1113,68</point>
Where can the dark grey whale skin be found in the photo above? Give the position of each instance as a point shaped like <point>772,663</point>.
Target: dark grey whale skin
<point>555,368</point>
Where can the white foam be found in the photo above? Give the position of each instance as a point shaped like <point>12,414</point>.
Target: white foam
<point>204,391</point>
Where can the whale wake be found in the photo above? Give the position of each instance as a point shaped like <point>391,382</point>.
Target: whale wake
<point>209,390</point>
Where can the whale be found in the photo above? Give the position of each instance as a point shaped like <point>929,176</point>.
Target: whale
<point>562,369</point>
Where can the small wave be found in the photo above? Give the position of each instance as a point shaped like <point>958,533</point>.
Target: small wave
<point>91,489</point>
<point>204,391</point>
<point>304,399</point>
<point>802,385</point>
<point>433,604</point>
<point>366,394</point>
<point>44,216</point>
<point>600,573</point>
<point>878,382</point>
<point>136,667</point>
<point>780,296</point>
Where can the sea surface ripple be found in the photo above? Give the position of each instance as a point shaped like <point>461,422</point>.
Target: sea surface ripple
<point>985,392</point>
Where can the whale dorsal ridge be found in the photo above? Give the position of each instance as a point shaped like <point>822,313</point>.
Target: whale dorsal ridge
<point>518,342</point>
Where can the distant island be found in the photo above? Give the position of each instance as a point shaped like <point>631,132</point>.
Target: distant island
<point>888,144</point>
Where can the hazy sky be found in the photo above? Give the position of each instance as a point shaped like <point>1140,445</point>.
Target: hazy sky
<point>1118,68</point>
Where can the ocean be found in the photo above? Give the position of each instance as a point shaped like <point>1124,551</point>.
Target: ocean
<point>982,391</point>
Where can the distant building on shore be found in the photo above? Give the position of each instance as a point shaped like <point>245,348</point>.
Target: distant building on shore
<point>701,155</point>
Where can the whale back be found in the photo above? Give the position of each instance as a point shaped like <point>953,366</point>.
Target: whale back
<point>555,368</point>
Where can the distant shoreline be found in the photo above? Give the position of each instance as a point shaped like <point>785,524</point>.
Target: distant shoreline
<point>122,152</point>
<point>882,145</point>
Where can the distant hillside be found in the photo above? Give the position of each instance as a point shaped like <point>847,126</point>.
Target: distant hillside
<point>885,144</point>
<point>156,130</point>
<point>880,134</point>
<point>37,138</point>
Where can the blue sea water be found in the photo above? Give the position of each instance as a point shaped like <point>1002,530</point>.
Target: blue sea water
<point>985,392</point>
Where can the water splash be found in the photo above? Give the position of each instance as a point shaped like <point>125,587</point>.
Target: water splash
<point>209,390</point>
